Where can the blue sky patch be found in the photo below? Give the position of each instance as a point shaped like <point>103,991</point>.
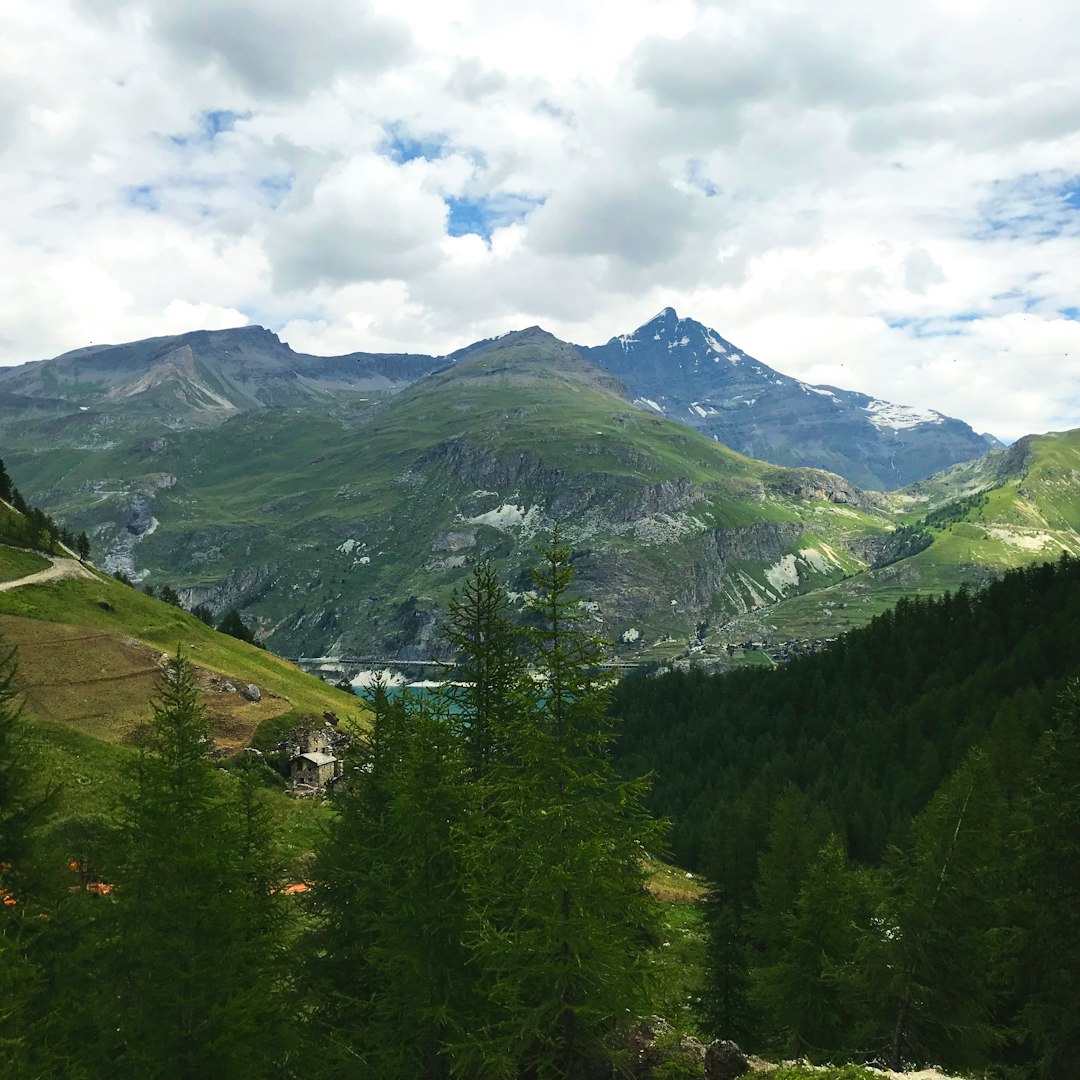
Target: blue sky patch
<point>938,326</point>
<point>275,187</point>
<point>480,216</point>
<point>1033,207</point>
<point>402,146</point>
<point>211,124</point>
<point>144,197</point>
<point>695,175</point>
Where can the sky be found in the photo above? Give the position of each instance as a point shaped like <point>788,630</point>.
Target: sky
<point>881,197</point>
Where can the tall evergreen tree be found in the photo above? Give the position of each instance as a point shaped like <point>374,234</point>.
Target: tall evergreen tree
<point>811,990</point>
<point>232,624</point>
<point>388,954</point>
<point>559,912</point>
<point>489,665</point>
<point>193,970</point>
<point>931,963</point>
<point>1048,967</point>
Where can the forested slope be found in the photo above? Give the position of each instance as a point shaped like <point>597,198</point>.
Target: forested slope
<point>870,727</point>
<point>890,829</point>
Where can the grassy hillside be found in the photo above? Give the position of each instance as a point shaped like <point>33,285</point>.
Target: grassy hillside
<point>90,654</point>
<point>348,530</point>
<point>1030,513</point>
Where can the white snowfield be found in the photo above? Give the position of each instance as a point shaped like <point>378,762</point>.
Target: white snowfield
<point>885,415</point>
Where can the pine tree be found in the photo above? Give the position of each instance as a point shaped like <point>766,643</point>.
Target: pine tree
<point>193,969</point>
<point>489,665</point>
<point>812,990</point>
<point>388,952</point>
<point>931,962</point>
<point>232,624</point>
<point>82,547</point>
<point>560,915</point>
<point>1048,965</point>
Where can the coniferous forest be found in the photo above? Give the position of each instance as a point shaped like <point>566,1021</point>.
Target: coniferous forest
<point>476,908</point>
<point>891,829</point>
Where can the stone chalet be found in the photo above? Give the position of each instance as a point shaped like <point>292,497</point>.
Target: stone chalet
<point>313,762</point>
<point>315,769</point>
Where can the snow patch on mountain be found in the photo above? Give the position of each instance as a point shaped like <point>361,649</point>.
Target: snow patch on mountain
<point>648,403</point>
<point>887,416</point>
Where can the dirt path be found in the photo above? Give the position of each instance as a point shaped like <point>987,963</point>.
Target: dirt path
<point>61,568</point>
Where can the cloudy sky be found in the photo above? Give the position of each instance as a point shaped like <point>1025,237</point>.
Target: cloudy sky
<point>884,197</point>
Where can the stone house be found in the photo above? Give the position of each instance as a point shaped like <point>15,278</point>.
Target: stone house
<point>314,769</point>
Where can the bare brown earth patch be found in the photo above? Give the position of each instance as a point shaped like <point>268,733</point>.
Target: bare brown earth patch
<point>103,684</point>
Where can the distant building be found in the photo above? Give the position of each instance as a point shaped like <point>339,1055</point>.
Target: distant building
<point>315,769</point>
<point>313,762</point>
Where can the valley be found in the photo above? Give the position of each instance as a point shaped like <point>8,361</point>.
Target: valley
<point>338,502</point>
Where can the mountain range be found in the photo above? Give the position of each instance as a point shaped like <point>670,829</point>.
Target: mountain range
<point>338,502</point>
<point>676,368</point>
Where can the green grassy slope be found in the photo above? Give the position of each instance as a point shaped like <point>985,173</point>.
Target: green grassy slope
<point>90,654</point>
<point>1031,514</point>
<point>349,529</point>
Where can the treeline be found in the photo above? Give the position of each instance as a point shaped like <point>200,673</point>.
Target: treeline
<point>476,909</point>
<point>31,527</point>
<point>868,728</point>
<point>891,828</point>
<point>909,540</point>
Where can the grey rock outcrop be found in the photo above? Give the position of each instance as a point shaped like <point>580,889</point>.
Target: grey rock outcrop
<point>252,692</point>
<point>724,1061</point>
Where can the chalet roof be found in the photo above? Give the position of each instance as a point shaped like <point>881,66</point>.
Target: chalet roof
<point>316,757</point>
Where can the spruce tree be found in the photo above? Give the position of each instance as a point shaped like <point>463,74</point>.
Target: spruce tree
<point>559,912</point>
<point>812,991</point>
<point>193,969</point>
<point>232,624</point>
<point>931,962</point>
<point>388,956</point>
<point>1047,967</point>
<point>489,666</point>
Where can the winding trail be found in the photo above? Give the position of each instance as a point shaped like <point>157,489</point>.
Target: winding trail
<point>61,569</point>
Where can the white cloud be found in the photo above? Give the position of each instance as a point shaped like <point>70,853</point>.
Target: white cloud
<point>884,197</point>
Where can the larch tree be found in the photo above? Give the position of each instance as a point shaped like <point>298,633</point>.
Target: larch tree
<point>559,913</point>
<point>193,972</point>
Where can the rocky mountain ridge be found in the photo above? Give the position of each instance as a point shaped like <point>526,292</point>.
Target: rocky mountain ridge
<point>346,529</point>
<point>685,371</point>
<point>676,368</point>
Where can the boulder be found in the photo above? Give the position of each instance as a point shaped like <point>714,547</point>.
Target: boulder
<point>252,692</point>
<point>228,688</point>
<point>656,1051</point>
<point>724,1061</point>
